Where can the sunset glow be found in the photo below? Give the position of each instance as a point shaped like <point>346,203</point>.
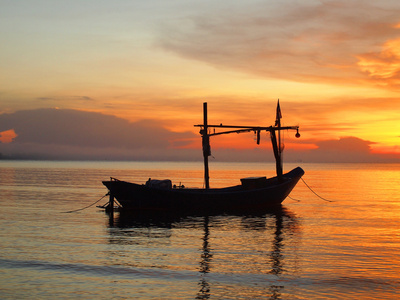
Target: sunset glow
<point>384,65</point>
<point>7,136</point>
<point>334,65</point>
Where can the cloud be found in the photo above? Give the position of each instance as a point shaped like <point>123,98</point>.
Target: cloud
<point>73,134</point>
<point>66,98</point>
<point>346,145</point>
<point>59,133</point>
<point>7,136</point>
<point>301,41</point>
<point>343,150</point>
<point>383,67</point>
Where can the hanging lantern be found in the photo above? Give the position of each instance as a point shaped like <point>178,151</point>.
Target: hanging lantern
<point>297,133</point>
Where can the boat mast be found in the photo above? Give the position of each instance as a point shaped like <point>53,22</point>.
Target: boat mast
<point>276,141</point>
<point>277,154</point>
<point>276,144</point>
<point>206,145</point>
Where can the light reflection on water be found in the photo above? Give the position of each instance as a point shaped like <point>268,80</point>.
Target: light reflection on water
<point>310,249</point>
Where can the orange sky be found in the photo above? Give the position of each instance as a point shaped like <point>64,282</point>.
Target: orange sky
<point>334,65</point>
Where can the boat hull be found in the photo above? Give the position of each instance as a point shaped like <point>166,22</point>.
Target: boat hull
<point>142,197</point>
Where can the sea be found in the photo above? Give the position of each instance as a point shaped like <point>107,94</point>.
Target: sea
<point>336,237</point>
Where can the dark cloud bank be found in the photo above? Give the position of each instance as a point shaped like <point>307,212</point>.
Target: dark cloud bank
<point>77,135</point>
<point>73,134</point>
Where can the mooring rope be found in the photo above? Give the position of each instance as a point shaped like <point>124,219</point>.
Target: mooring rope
<point>297,200</point>
<point>311,191</point>
<point>315,192</point>
<point>71,211</point>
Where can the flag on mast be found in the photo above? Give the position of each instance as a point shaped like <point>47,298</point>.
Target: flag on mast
<point>278,115</point>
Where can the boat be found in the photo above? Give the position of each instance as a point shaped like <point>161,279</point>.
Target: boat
<point>253,193</point>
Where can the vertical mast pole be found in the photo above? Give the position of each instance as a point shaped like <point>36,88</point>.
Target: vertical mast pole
<point>206,146</point>
<point>277,145</point>
<point>278,158</point>
<point>279,140</point>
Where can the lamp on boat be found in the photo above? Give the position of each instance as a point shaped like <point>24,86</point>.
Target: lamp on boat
<point>297,133</point>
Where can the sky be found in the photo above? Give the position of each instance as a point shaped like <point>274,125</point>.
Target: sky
<point>126,79</point>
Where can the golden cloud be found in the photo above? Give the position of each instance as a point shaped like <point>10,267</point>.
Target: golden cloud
<point>383,66</point>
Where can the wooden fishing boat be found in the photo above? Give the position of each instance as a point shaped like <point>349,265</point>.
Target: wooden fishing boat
<point>252,193</point>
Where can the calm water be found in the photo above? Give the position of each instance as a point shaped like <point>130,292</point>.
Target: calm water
<point>311,249</point>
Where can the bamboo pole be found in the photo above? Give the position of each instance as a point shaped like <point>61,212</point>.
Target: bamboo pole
<point>277,154</point>
<point>206,146</point>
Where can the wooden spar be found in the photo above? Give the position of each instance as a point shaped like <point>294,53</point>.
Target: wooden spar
<point>276,142</point>
<point>246,128</point>
<point>206,146</point>
<point>110,209</point>
<point>277,145</point>
<point>277,154</point>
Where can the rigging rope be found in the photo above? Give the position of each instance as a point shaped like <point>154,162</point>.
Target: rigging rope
<point>71,211</point>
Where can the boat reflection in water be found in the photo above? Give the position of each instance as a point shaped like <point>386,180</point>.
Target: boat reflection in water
<point>228,247</point>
